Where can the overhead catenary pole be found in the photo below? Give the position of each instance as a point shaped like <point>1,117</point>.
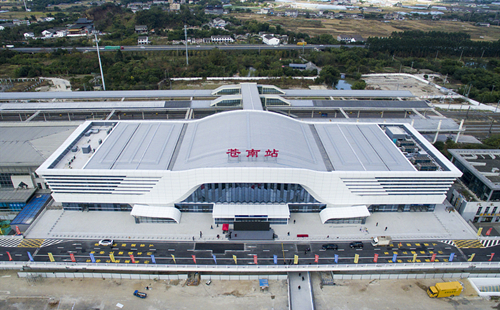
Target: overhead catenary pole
<point>100,65</point>
<point>186,38</point>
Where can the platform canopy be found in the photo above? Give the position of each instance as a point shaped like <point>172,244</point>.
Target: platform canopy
<point>156,212</point>
<point>334,213</point>
<point>251,210</point>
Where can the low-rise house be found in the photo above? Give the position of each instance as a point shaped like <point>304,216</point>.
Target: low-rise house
<point>347,38</point>
<point>291,13</point>
<point>6,25</point>
<point>218,23</point>
<point>29,35</point>
<point>142,40</point>
<point>141,29</point>
<point>269,39</point>
<point>214,9</point>
<point>222,39</point>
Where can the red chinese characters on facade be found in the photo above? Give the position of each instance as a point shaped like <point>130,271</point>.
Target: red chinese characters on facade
<point>252,153</point>
<point>233,152</point>
<point>273,153</point>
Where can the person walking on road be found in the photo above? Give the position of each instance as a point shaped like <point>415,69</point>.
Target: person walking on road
<point>385,229</point>
<point>201,234</point>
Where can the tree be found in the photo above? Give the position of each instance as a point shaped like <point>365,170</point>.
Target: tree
<point>361,84</point>
<point>328,75</point>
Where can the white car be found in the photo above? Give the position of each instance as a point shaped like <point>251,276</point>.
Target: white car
<point>106,242</point>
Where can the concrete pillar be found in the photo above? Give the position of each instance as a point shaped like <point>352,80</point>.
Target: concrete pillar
<point>437,132</point>
<point>459,130</point>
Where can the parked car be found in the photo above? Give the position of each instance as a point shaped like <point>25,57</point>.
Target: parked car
<point>140,294</point>
<point>330,246</point>
<point>106,242</point>
<point>356,245</point>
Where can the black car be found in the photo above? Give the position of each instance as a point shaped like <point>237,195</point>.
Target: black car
<point>356,245</point>
<point>330,246</point>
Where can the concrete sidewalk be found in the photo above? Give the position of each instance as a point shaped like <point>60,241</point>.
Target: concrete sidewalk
<point>440,224</point>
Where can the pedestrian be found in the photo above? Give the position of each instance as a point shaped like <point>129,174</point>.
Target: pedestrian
<point>385,229</point>
<point>147,287</point>
<point>299,287</point>
<point>305,252</point>
<point>308,250</point>
<point>328,236</point>
<point>300,274</point>
<point>211,226</point>
<point>288,233</point>
<point>201,234</point>
<point>361,228</point>
<point>302,278</point>
<point>218,236</point>
<point>376,224</point>
<point>193,238</point>
<point>294,221</point>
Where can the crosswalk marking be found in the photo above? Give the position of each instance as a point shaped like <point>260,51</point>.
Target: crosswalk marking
<point>490,242</point>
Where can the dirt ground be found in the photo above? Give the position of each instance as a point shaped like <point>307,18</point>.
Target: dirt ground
<point>401,83</point>
<point>394,294</point>
<point>45,294</point>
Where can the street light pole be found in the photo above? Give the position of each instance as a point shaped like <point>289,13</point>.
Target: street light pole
<point>100,65</point>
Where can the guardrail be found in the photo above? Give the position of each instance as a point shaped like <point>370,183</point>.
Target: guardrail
<point>379,268</point>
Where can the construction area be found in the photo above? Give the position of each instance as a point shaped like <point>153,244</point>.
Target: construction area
<point>64,293</point>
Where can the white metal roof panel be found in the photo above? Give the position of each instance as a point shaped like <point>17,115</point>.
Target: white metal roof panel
<point>137,146</point>
<point>208,140</point>
<point>361,147</point>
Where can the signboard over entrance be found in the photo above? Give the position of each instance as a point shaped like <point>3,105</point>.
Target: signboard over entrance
<point>252,153</point>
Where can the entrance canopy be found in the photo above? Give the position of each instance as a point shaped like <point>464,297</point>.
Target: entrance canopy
<point>334,213</point>
<point>280,211</point>
<point>156,212</point>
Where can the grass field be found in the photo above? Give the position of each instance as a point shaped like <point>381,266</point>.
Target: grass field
<point>370,28</point>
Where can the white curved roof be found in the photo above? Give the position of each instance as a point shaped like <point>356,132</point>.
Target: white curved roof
<point>207,141</point>
<point>156,212</point>
<point>343,213</point>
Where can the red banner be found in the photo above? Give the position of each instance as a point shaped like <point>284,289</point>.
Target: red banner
<point>487,232</point>
<point>491,258</point>
<point>375,258</point>
<point>18,231</point>
<point>433,258</point>
<point>8,254</point>
<point>72,257</point>
<point>255,259</point>
<point>132,258</point>
<point>316,258</point>
<point>194,258</point>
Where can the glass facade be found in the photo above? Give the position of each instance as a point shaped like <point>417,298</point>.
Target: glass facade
<point>273,221</point>
<point>142,219</point>
<point>96,207</point>
<point>402,208</point>
<point>354,220</point>
<point>250,193</point>
<point>474,184</point>
<point>6,181</point>
<point>12,206</point>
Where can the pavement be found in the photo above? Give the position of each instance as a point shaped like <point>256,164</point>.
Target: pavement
<point>440,224</point>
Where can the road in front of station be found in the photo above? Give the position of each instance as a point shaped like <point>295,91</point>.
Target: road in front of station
<point>268,253</point>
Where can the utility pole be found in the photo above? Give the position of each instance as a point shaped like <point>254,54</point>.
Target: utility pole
<point>186,36</point>
<point>100,64</point>
<point>461,55</point>
<point>436,55</point>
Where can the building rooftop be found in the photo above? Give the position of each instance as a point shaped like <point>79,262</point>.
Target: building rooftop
<point>239,138</point>
<point>485,164</point>
<point>30,145</point>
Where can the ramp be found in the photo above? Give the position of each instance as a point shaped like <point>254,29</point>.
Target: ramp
<point>300,291</point>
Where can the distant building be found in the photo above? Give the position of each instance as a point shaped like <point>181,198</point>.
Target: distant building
<point>214,9</point>
<point>270,40</point>
<point>57,32</point>
<point>175,6</point>
<point>483,24</point>
<point>141,29</point>
<point>218,23</point>
<point>291,13</point>
<point>6,25</point>
<point>142,40</point>
<point>82,26</point>
<point>347,38</point>
<point>222,39</point>
<point>29,35</point>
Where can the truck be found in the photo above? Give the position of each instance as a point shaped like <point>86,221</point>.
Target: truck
<point>381,241</point>
<point>445,289</point>
<point>140,294</point>
<point>301,43</point>
<point>109,47</point>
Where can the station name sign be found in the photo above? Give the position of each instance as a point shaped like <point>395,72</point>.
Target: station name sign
<point>252,153</point>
